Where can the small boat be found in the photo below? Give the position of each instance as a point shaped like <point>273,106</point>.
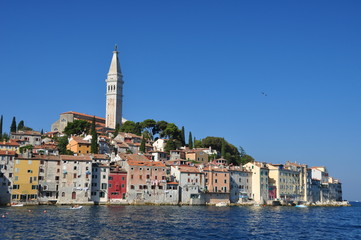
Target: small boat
<point>221,204</point>
<point>17,205</point>
<point>301,206</point>
<point>76,207</point>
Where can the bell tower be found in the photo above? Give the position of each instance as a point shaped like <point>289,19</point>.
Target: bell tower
<point>114,93</point>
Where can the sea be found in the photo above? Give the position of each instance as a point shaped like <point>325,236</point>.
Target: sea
<point>180,222</point>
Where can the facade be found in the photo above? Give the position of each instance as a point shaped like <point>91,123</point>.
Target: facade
<point>78,145</point>
<point>99,182</point>
<point>10,146</point>
<point>114,93</point>
<point>27,137</point>
<point>217,184</point>
<point>75,180</point>
<point>25,180</point>
<point>241,184</point>
<point>117,185</point>
<point>7,159</point>
<point>285,181</point>
<point>260,190</point>
<point>50,171</point>
<point>191,182</point>
<point>197,155</point>
<point>146,183</point>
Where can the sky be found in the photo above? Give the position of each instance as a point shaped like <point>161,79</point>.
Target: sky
<point>279,78</point>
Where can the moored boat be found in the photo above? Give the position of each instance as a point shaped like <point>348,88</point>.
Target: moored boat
<point>221,204</point>
<point>17,205</point>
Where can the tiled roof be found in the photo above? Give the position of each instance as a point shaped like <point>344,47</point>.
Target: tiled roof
<point>101,156</point>
<point>8,153</point>
<point>80,140</point>
<point>27,133</point>
<point>146,163</point>
<point>188,169</point>
<point>15,144</point>
<point>215,169</point>
<point>75,158</point>
<point>85,115</point>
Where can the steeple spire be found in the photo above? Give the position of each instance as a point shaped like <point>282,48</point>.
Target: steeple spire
<point>115,65</point>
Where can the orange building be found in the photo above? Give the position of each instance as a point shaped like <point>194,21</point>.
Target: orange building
<point>78,145</point>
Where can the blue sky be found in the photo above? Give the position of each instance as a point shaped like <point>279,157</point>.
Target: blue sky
<point>199,64</point>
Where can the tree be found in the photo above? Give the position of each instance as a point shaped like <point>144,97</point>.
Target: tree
<point>1,127</point>
<point>13,125</point>
<point>245,158</point>
<point>94,141</point>
<point>42,132</point>
<point>142,145</point>
<point>77,127</point>
<point>149,126</point>
<point>183,139</point>
<point>62,144</point>
<point>160,127</point>
<point>172,131</point>
<point>131,127</point>
<point>197,143</point>
<point>190,141</point>
<point>21,125</point>
<point>5,137</point>
<point>223,149</point>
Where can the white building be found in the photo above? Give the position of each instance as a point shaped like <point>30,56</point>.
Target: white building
<point>259,181</point>
<point>241,184</point>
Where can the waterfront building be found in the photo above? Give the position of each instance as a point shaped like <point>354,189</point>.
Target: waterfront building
<point>117,188</point>
<point>191,182</point>
<point>99,182</point>
<point>6,174</point>
<point>25,180</point>
<point>241,184</point>
<point>27,137</point>
<point>146,183</point>
<point>75,180</point>
<point>285,181</point>
<point>50,171</point>
<point>217,184</point>
<point>305,179</point>
<point>260,190</point>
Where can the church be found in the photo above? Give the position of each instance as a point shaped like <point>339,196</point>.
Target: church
<point>114,102</point>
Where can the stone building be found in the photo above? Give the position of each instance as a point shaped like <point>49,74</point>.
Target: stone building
<point>260,188</point>
<point>241,184</point>
<point>217,184</point>
<point>7,159</point>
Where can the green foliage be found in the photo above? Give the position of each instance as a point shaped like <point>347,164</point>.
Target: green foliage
<point>197,143</point>
<point>131,127</point>
<point>149,126</point>
<point>190,141</point>
<point>5,137</point>
<point>77,127</point>
<point>230,152</point>
<point>183,138</point>
<point>1,127</point>
<point>142,146</point>
<point>172,131</point>
<point>13,125</point>
<point>21,125</point>
<point>26,148</point>
<point>246,159</point>
<point>94,142</point>
<point>161,126</point>
<point>172,144</point>
<point>223,149</point>
<point>62,143</point>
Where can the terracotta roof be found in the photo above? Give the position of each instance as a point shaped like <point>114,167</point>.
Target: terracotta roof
<point>15,144</point>
<point>8,153</point>
<point>146,163</point>
<point>75,158</point>
<point>215,169</point>
<point>80,140</point>
<point>48,157</point>
<point>188,169</point>
<point>85,115</point>
<point>27,133</point>
<point>172,183</point>
<point>133,157</point>
<point>101,156</point>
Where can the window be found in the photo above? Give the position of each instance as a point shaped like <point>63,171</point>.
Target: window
<point>131,176</point>
<point>123,178</point>
<point>104,186</point>
<point>56,178</point>
<point>34,187</point>
<point>131,186</point>
<point>225,180</point>
<point>104,176</point>
<point>160,187</point>
<point>74,175</point>
<point>16,178</point>
<point>110,178</point>
<point>122,186</point>
<point>215,180</point>
<point>140,176</point>
<point>16,187</point>
<point>140,187</point>
<point>148,176</point>
<point>30,161</point>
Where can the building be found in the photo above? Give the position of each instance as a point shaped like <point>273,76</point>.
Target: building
<point>75,180</point>
<point>260,190</point>
<point>146,183</point>
<point>217,184</point>
<point>285,181</point>
<point>114,93</point>
<point>99,182</point>
<point>78,145</point>
<point>191,182</point>
<point>27,137</point>
<point>50,172</point>
<point>10,146</point>
<point>117,188</point>
<point>241,184</point>
<point>25,181</point>
<point>6,174</point>
<point>197,155</point>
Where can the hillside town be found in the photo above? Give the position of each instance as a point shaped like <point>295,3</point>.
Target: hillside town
<point>107,163</point>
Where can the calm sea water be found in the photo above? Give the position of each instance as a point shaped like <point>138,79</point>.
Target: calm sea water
<point>173,222</point>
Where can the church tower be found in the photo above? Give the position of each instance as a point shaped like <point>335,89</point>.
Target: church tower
<point>114,93</point>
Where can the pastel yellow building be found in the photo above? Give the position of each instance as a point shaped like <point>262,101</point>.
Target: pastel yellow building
<point>78,145</point>
<point>10,146</point>
<point>25,180</point>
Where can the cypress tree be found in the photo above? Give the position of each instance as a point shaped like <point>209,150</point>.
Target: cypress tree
<point>142,145</point>
<point>94,141</point>
<point>42,132</point>
<point>183,138</point>
<point>13,125</point>
<point>223,148</point>
<point>1,127</point>
<point>190,141</point>
<point>117,127</point>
